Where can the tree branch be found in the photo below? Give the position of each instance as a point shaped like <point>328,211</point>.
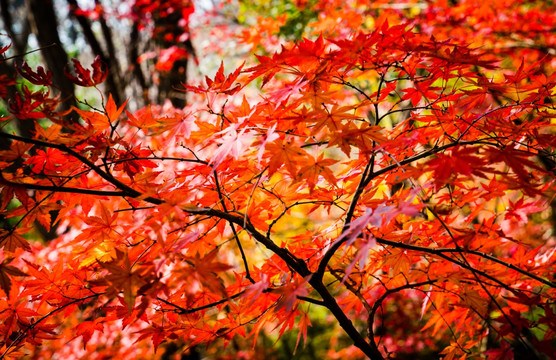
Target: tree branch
<point>439,251</point>
<point>22,334</point>
<point>358,340</point>
<point>64,189</point>
<point>128,191</point>
<point>222,202</point>
<point>378,304</point>
<point>365,182</point>
<point>349,215</point>
<point>184,311</point>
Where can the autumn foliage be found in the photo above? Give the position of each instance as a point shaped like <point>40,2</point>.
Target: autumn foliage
<point>388,175</point>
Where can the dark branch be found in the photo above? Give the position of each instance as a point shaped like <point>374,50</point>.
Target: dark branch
<point>22,334</point>
<point>238,242</point>
<point>380,300</point>
<point>127,191</point>
<point>183,311</point>
<point>441,251</point>
<point>64,189</point>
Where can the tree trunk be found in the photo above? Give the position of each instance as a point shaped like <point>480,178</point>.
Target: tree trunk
<point>44,25</point>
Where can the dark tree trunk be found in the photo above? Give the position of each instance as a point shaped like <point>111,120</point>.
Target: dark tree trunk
<point>171,81</point>
<point>18,31</point>
<point>113,83</point>
<point>44,25</point>
<point>135,66</point>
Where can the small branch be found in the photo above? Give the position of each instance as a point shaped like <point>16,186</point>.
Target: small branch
<point>108,177</point>
<point>291,260</point>
<point>352,289</point>
<point>441,251</point>
<point>311,300</point>
<point>330,303</point>
<point>184,311</point>
<point>378,304</point>
<point>349,215</point>
<point>134,209</point>
<point>64,189</point>
<point>366,179</point>
<point>22,334</point>
<point>97,49</point>
<point>348,84</point>
<point>442,255</point>
<point>238,242</point>
<point>161,158</point>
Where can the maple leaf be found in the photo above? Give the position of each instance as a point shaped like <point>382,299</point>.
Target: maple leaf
<point>504,353</point>
<point>99,121</point>
<point>519,209</point>
<point>475,301</point>
<point>123,278</point>
<point>177,125</point>
<point>253,291</point>
<point>231,142</point>
<point>143,118</point>
<point>462,161</point>
<point>220,83</point>
<point>3,49</point>
<point>284,154</point>
<point>5,83</point>
<point>112,110</point>
<point>132,161</point>
<point>304,322</point>
<point>268,66</point>
<point>103,227</point>
<point>283,94</point>
<point>5,272</point>
<point>39,77</point>
<point>399,261</point>
<point>515,159</point>
<point>46,279</point>
<point>314,169</point>
<point>12,240</point>
<point>103,252</point>
<point>207,268</point>
<point>83,76</point>
<point>88,328</point>
<point>44,217</point>
<point>333,117</point>
<point>452,351</point>
<point>51,160</point>
<point>26,107</point>
<point>364,136</point>
<point>290,293</point>
<point>11,190</point>
<point>157,334</point>
<point>269,136</point>
<point>15,312</point>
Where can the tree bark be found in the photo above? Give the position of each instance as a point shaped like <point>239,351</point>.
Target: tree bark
<point>114,87</point>
<point>15,10</point>
<point>358,340</point>
<point>44,25</point>
<point>168,36</point>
